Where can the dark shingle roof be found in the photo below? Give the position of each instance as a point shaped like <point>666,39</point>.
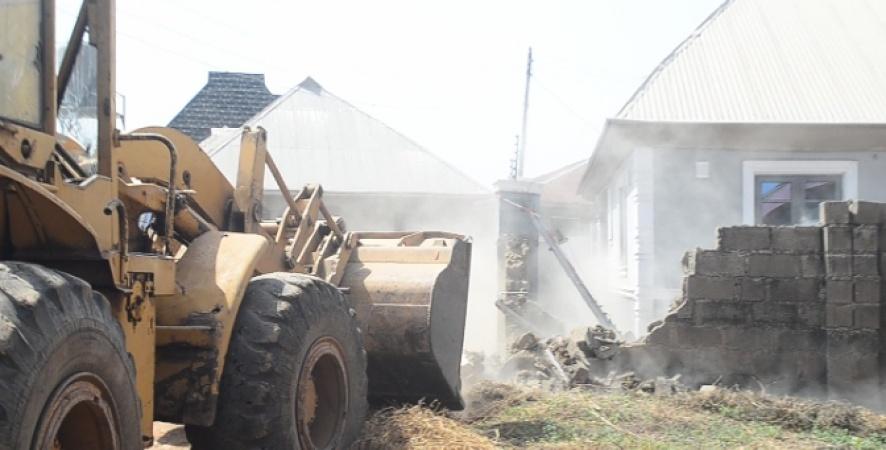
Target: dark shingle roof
<point>229,99</point>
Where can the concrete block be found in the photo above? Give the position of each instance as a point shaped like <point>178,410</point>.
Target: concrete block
<point>850,345</point>
<point>688,262</point>
<point>707,312</point>
<point>794,290</point>
<point>710,262</point>
<point>810,316</point>
<point>752,289</point>
<point>838,265</point>
<point>696,337</point>
<point>865,265</point>
<point>765,265</point>
<point>684,311</point>
<point>866,239</point>
<point>744,238</point>
<point>710,288</point>
<point>832,213</point>
<point>867,317</point>
<point>837,239</point>
<point>797,239</point>
<point>660,336</point>
<point>798,340</point>
<point>812,265</point>
<point>781,313</point>
<point>838,291</point>
<point>862,212</point>
<point>839,316</point>
<point>867,290</point>
<point>738,337</point>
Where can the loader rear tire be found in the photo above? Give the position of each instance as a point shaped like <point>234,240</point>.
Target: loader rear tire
<point>295,373</point>
<point>66,380</point>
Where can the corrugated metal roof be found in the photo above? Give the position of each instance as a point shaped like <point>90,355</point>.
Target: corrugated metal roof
<point>774,61</point>
<point>316,137</point>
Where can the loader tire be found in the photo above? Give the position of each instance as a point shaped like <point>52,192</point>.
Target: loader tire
<point>66,380</point>
<point>295,373</point>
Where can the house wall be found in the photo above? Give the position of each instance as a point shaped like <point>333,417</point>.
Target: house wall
<point>471,215</point>
<point>618,265</point>
<point>688,209</point>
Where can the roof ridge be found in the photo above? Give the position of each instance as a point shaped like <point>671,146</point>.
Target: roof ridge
<point>258,116</point>
<point>276,103</point>
<point>679,49</point>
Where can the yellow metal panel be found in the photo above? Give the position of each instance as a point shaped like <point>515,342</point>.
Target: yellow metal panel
<point>161,267</point>
<point>211,278</point>
<point>150,161</point>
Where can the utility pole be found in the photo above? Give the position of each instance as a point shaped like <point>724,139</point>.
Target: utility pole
<point>521,151</point>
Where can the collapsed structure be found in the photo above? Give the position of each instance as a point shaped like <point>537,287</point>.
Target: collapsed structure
<point>796,309</point>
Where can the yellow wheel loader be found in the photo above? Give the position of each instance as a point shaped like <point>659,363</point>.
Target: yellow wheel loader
<point>138,284</point>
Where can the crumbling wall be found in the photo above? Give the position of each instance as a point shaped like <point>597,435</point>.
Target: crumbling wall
<point>790,309</point>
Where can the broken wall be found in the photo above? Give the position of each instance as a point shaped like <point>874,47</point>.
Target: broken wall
<point>791,309</point>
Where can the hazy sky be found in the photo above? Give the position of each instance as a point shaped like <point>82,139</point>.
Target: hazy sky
<point>448,74</point>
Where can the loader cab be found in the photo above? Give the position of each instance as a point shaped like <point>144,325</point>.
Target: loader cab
<point>69,92</point>
<point>58,131</point>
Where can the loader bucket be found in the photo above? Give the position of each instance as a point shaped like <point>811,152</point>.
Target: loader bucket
<point>410,292</point>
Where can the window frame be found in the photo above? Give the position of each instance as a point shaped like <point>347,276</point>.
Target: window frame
<point>846,169</point>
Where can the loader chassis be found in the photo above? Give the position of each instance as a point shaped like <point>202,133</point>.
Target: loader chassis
<point>158,241</point>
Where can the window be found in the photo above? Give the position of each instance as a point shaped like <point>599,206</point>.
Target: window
<point>788,192</point>
<point>623,225</point>
<point>793,199</point>
<point>20,54</point>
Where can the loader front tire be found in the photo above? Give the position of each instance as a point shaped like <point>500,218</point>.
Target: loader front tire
<point>66,380</point>
<point>295,373</point>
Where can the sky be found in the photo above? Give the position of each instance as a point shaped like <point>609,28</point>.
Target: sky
<point>448,74</point>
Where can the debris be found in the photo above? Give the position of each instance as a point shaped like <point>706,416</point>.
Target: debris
<point>581,359</point>
<point>558,369</point>
<point>708,389</point>
<point>474,369</point>
<point>527,341</point>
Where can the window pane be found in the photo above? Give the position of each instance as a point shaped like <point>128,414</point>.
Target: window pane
<point>810,213</point>
<point>775,191</point>
<point>821,190</point>
<point>77,115</point>
<point>20,60</point>
<point>775,213</point>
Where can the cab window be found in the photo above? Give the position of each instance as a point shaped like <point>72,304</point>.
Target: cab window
<point>20,56</point>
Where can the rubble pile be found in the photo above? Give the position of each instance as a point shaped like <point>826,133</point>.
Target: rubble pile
<point>583,359</point>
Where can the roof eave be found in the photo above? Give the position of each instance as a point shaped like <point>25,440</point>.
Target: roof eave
<point>621,136</point>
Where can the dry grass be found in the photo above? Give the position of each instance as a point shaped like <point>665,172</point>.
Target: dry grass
<point>789,413</point>
<point>488,399</point>
<point>506,416</point>
<point>418,427</point>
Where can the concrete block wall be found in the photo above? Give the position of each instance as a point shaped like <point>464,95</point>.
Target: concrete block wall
<point>795,309</point>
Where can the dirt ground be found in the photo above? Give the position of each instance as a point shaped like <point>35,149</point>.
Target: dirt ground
<point>169,436</point>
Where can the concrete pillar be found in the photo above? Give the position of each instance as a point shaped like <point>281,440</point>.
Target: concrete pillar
<point>517,249</point>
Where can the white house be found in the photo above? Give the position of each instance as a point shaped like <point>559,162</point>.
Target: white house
<point>766,109</point>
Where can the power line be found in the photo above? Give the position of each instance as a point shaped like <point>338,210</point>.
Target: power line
<point>562,102</point>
